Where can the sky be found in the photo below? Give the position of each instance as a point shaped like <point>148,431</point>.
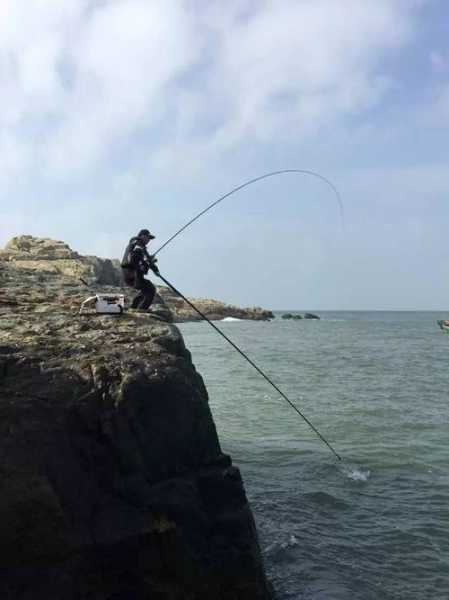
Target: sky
<point>121,114</point>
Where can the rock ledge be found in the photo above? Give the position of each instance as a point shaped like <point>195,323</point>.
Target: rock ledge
<point>112,481</point>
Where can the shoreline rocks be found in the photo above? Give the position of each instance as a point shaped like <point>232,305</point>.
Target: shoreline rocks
<point>213,309</point>
<point>44,256</point>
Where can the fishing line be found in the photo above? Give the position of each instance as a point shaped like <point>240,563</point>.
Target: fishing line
<point>250,182</point>
<point>252,363</point>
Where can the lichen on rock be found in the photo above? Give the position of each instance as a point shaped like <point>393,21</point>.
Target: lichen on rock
<point>50,256</point>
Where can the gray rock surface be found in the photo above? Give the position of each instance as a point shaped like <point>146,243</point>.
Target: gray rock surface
<point>112,481</point>
<point>45,256</point>
<point>50,256</point>
<point>213,309</point>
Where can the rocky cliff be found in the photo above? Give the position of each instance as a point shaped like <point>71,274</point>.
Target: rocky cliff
<point>112,481</point>
<point>44,256</point>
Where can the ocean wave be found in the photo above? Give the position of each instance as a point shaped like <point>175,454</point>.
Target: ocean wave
<point>231,319</point>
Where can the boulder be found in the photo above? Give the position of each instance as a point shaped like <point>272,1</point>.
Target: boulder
<point>113,483</point>
<point>50,256</point>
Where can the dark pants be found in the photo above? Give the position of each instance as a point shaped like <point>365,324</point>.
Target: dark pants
<point>146,289</point>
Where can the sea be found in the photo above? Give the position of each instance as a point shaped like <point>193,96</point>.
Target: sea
<point>375,524</point>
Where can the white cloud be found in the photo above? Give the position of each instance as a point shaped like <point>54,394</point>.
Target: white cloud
<point>125,56</point>
<point>78,77</point>
<point>287,70</point>
<point>299,55</point>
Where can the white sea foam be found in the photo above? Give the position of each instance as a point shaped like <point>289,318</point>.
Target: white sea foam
<point>357,474</point>
<point>229,319</point>
<point>292,541</point>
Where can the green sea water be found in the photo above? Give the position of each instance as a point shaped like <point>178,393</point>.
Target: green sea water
<point>376,384</point>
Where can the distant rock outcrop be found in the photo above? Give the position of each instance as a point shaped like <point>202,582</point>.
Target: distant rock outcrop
<point>112,481</point>
<point>296,316</point>
<point>213,309</point>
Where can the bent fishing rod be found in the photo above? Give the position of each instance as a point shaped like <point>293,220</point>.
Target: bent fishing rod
<point>251,362</point>
<point>248,183</point>
<point>203,316</point>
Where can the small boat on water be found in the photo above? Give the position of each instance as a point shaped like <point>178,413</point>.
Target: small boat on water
<point>444,325</point>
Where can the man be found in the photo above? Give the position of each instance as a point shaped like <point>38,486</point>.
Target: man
<point>135,265</point>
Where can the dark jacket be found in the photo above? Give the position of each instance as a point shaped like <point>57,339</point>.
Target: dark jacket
<point>136,257</point>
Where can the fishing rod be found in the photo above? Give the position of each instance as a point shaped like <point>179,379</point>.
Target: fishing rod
<point>203,316</point>
<point>248,183</point>
<point>252,363</point>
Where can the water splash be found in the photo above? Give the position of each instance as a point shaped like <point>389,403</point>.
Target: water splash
<point>293,541</point>
<point>356,473</point>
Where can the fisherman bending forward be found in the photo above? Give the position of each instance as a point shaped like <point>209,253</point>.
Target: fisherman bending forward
<point>135,265</point>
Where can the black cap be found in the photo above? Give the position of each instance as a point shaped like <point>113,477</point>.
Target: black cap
<point>146,232</point>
